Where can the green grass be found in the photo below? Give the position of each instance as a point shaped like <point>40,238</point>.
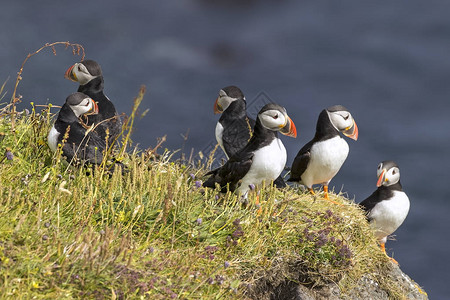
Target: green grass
<point>153,233</point>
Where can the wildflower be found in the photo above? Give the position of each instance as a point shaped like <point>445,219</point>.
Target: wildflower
<point>199,221</point>
<point>9,155</point>
<point>251,186</point>
<point>309,237</point>
<point>192,176</point>
<point>321,241</point>
<point>47,224</point>
<point>237,222</point>
<point>198,183</point>
<point>237,233</point>
<point>226,264</point>
<point>220,279</point>
<point>325,231</point>
<point>217,197</point>
<point>345,252</point>
<point>45,237</point>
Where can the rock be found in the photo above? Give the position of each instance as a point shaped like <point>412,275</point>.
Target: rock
<point>270,287</point>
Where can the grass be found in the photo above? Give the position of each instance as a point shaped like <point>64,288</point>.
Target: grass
<point>154,232</point>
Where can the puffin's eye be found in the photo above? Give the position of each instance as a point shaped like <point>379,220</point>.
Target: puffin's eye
<point>393,172</point>
<point>275,117</point>
<point>346,117</point>
<point>79,68</point>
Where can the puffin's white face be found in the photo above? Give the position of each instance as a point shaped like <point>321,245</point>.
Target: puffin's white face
<point>86,106</point>
<point>343,121</point>
<point>222,102</point>
<point>273,119</point>
<point>79,73</point>
<point>276,120</point>
<point>387,177</point>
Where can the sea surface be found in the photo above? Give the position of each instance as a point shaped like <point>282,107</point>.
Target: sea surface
<point>388,62</point>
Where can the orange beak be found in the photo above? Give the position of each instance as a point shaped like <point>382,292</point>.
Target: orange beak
<point>94,109</point>
<point>352,131</point>
<point>70,75</point>
<point>381,178</point>
<point>217,108</point>
<point>289,129</point>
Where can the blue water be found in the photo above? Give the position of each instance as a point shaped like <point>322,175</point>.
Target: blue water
<point>387,61</point>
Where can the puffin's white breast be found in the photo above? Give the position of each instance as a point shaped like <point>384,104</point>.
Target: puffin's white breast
<point>327,157</point>
<point>388,215</point>
<point>268,163</point>
<point>219,137</point>
<point>52,138</point>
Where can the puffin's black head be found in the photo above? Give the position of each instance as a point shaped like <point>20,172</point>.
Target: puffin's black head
<point>81,104</point>
<point>343,121</point>
<point>274,117</point>
<point>226,96</point>
<point>83,72</point>
<point>388,173</point>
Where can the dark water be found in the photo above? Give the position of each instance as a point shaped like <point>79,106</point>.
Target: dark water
<point>388,62</point>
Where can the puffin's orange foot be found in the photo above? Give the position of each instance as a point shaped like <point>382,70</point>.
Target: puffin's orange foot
<point>258,205</point>
<point>325,190</point>
<point>393,260</point>
<point>383,249</point>
<point>311,191</point>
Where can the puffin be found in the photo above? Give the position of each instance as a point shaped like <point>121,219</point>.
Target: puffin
<point>81,142</point>
<point>388,206</point>
<point>234,128</point>
<point>88,74</point>
<point>262,159</point>
<point>320,159</point>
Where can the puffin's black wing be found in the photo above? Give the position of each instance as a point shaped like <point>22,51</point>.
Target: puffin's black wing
<point>231,172</point>
<point>236,135</point>
<point>301,162</point>
<point>369,203</point>
<point>83,147</point>
<point>107,116</point>
<point>380,194</point>
<point>279,182</point>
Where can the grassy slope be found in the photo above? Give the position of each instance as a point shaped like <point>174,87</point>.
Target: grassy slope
<point>153,232</point>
